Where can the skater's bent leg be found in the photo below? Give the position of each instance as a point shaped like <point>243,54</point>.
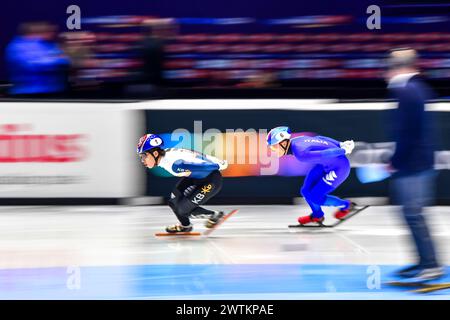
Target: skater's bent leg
<point>333,178</point>
<point>311,179</point>
<point>333,201</point>
<point>313,176</point>
<point>315,208</point>
<point>205,189</point>
<point>184,187</point>
<point>318,197</point>
<point>181,206</point>
<point>176,203</point>
<point>180,202</point>
<point>199,211</point>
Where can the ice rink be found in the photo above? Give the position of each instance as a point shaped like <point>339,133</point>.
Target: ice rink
<point>110,252</point>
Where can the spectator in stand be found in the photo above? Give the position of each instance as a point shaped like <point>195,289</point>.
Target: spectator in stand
<point>79,47</point>
<point>156,34</point>
<point>37,66</point>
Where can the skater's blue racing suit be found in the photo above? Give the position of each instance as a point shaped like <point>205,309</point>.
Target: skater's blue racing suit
<point>330,170</point>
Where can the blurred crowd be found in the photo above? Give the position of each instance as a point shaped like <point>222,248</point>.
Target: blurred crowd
<point>37,64</point>
<point>43,62</point>
<point>132,56</point>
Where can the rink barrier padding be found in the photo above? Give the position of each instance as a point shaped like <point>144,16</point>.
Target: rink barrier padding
<point>118,125</point>
<point>69,152</point>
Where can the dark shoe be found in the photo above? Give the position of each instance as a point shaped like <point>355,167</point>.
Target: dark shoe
<point>409,272</point>
<point>179,228</point>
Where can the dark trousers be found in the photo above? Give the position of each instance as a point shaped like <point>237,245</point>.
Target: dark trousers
<point>189,194</point>
<point>413,192</point>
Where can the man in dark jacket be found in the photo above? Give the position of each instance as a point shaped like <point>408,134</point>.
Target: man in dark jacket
<point>413,161</point>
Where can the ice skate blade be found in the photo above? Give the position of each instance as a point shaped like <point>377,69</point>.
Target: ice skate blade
<point>224,218</point>
<point>321,225</point>
<point>420,287</point>
<point>177,234</point>
<point>310,226</point>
